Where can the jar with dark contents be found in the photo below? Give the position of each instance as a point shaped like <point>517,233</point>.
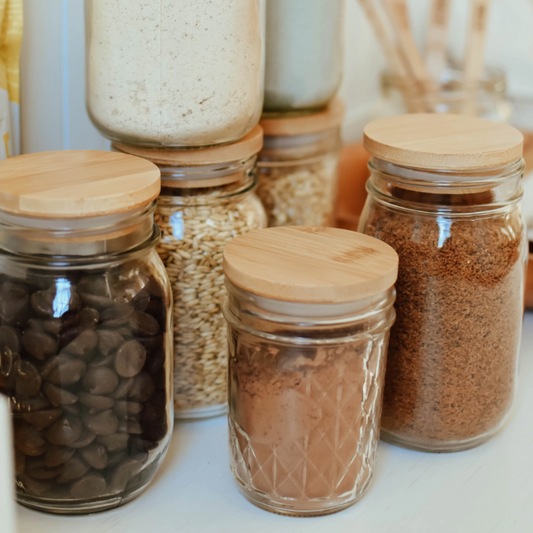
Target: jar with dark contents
<point>85,328</point>
<point>309,313</point>
<point>444,193</point>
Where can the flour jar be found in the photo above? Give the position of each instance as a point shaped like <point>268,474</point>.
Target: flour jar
<point>207,199</point>
<point>174,73</point>
<point>309,313</point>
<point>85,338</point>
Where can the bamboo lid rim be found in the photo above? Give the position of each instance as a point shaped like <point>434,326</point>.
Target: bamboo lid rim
<point>76,184</point>
<point>310,265</point>
<point>329,118</point>
<point>444,142</point>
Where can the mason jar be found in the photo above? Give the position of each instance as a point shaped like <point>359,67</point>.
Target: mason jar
<point>444,192</point>
<point>207,199</point>
<point>298,168</point>
<point>85,334</point>
<point>309,313</point>
<point>174,73</point>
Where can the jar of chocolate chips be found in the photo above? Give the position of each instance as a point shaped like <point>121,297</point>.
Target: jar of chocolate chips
<point>85,328</point>
<point>309,313</point>
<point>444,193</point>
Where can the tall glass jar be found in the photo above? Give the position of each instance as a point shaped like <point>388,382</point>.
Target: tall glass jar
<point>309,314</point>
<point>85,343</point>
<point>304,44</point>
<point>445,193</point>
<point>207,199</point>
<point>174,73</point>
<point>298,168</point>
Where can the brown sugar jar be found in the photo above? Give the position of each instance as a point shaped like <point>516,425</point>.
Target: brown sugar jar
<point>444,192</point>
<point>309,313</point>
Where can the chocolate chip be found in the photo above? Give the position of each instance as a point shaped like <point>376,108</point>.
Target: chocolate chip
<point>103,360</point>
<point>140,301</point>
<point>63,370</point>
<point>97,285</point>
<point>143,388</point>
<point>89,317</point>
<point>125,408</point>
<point>103,423</point>
<point>123,388</point>
<point>49,303</point>
<point>130,359</point>
<point>55,326</point>
<point>143,324</point>
<point>59,397</point>
<point>57,455</point>
<point>37,469</point>
<point>117,315</point>
<point>38,343</point>
<point>65,431</point>
<point>42,302</point>
<point>28,405</point>
<point>115,442</point>
<point>115,458</point>
<point>155,288</point>
<point>89,486</point>
<point>131,426</point>
<point>20,462</point>
<point>42,419</point>
<point>28,379</point>
<point>9,341</point>
<point>34,486</point>
<point>108,341</point>
<point>96,402</point>
<point>95,455</point>
<point>83,344</point>
<point>74,409</point>
<point>74,468</point>
<point>158,310</point>
<point>86,438</point>
<point>100,381</point>
<point>29,441</point>
<point>125,471</point>
<point>98,302</point>
<point>14,304</point>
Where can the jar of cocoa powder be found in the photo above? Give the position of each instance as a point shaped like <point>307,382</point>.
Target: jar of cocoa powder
<point>207,199</point>
<point>309,314</point>
<point>444,193</point>
<point>85,328</point>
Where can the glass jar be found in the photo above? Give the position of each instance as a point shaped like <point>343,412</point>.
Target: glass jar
<point>298,168</point>
<point>309,313</point>
<point>206,201</point>
<point>85,344</point>
<point>449,205</point>
<point>399,96</point>
<point>304,45</point>
<point>174,73</point>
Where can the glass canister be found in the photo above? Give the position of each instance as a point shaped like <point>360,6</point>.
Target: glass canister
<point>309,314</point>
<point>304,45</point>
<point>298,168</point>
<point>445,193</point>
<point>174,72</point>
<point>85,343</point>
<point>207,199</point>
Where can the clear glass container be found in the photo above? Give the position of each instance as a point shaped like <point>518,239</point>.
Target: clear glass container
<point>174,73</point>
<point>452,361</point>
<point>306,386</point>
<point>199,211</point>
<point>298,178</point>
<point>304,54</point>
<point>86,356</point>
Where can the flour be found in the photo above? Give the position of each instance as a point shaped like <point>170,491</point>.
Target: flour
<point>175,72</point>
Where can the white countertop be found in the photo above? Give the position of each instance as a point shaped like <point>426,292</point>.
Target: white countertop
<point>486,490</point>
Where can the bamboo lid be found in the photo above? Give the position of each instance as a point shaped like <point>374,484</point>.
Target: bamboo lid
<point>443,142</point>
<point>328,119</point>
<point>248,146</point>
<point>310,265</point>
<point>76,184</point>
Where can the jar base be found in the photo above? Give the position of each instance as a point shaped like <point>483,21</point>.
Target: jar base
<point>202,413</point>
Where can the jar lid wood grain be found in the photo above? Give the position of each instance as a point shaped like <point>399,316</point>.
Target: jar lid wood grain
<point>443,142</point>
<point>76,184</point>
<point>330,118</point>
<point>310,265</point>
<point>248,146</point>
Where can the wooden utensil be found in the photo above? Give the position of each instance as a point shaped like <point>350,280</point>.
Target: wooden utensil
<point>437,36</point>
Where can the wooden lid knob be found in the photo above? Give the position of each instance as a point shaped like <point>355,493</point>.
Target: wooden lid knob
<point>76,184</point>
<point>443,142</point>
<point>310,265</point>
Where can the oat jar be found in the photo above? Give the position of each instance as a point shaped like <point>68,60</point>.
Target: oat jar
<point>174,73</point>
<point>309,313</point>
<point>207,199</point>
<point>298,168</point>
<point>85,344</point>
<point>445,193</point>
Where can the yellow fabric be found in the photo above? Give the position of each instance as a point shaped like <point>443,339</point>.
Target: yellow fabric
<point>11,21</point>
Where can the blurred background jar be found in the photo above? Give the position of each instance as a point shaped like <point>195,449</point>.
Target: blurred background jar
<point>207,199</point>
<point>86,328</point>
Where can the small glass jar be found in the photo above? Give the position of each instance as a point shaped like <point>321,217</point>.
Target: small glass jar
<point>207,199</point>
<point>298,168</point>
<point>309,314</point>
<point>448,203</point>
<point>175,73</point>
<point>304,54</point>
<point>85,343</point>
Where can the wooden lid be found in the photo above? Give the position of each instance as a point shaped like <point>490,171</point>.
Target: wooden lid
<point>248,146</point>
<point>310,265</point>
<point>76,184</point>
<point>443,142</point>
<point>328,119</point>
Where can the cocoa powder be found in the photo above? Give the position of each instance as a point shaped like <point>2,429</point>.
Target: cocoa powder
<point>453,351</point>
